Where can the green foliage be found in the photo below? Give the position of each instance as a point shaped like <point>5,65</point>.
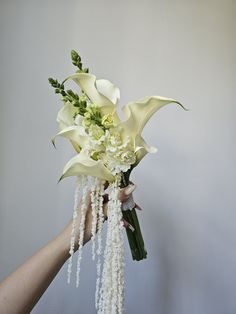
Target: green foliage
<point>59,88</point>
<point>76,60</point>
<point>70,96</point>
<point>79,102</point>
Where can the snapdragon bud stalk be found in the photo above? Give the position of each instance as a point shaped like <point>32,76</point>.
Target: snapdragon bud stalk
<point>135,237</point>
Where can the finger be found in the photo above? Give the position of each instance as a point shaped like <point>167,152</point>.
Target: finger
<point>106,184</point>
<point>127,225</point>
<point>105,209</point>
<point>105,198</point>
<point>125,193</point>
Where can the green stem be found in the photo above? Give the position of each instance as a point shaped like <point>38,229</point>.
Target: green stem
<point>135,238</point>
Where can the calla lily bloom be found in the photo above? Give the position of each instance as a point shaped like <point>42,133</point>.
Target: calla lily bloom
<point>82,165</point>
<point>101,92</point>
<point>106,95</point>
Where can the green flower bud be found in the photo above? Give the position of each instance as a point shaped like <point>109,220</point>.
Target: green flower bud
<point>94,155</point>
<point>95,131</point>
<point>87,115</point>
<point>108,121</point>
<point>86,123</point>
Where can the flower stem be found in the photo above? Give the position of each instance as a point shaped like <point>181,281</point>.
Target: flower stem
<point>135,238</point>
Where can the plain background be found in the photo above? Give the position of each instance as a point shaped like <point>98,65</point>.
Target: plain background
<point>183,49</point>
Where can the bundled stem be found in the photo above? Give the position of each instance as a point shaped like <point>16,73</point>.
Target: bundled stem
<point>135,237</point>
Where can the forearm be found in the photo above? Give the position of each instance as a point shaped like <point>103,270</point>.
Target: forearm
<point>23,288</point>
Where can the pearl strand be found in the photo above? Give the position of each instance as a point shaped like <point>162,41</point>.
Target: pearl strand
<point>72,239</point>
<point>82,227</point>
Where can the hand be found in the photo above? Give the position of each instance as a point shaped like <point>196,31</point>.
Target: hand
<point>124,194</point>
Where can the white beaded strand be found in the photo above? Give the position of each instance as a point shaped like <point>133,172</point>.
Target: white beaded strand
<point>72,239</point>
<point>112,290</point>
<point>107,254</point>
<point>109,295</point>
<point>99,241</point>
<point>82,226</point>
<point>118,258</point>
<point>120,262</point>
<point>94,205</point>
<point>100,217</point>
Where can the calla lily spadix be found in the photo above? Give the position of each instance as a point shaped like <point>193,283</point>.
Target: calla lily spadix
<point>107,150</point>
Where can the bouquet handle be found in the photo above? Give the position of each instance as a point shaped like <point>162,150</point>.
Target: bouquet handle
<point>135,237</point>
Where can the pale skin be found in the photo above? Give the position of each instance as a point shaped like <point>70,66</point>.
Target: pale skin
<point>22,289</point>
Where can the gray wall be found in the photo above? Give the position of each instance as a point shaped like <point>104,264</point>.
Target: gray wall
<point>182,49</point>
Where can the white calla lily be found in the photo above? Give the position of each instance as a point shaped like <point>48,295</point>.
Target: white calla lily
<point>88,84</point>
<point>137,115</point>
<point>142,148</point>
<point>106,95</point>
<point>75,134</point>
<point>65,115</point>
<point>82,164</point>
<point>65,119</point>
<point>109,90</point>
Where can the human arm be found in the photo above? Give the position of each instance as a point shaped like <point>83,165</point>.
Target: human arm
<point>22,289</point>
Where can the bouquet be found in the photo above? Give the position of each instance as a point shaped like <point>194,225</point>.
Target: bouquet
<point>107,150</point>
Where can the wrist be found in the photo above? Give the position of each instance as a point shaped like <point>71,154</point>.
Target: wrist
<point>63,242</point>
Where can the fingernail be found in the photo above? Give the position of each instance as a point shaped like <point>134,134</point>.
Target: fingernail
<point>127,225</point>
<point>129,189</point>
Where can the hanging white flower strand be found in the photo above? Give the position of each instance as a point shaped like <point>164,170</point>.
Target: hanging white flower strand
<point>112,290</point>
<point>99,239</point>
<point>109,297</point>
<point>94,206</point>
<point>82,226</point>
<point>72,239</point>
